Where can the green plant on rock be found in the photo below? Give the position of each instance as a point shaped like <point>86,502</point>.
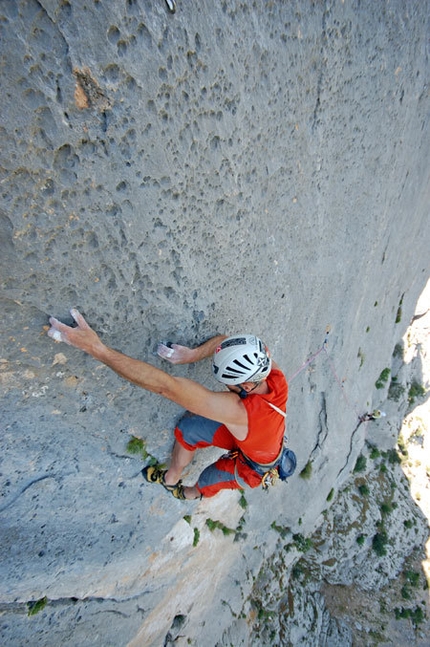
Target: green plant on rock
<point>36,606</point>
<point>383,378</point>
<point>386,508</point>
<point>361,539</point>
<point>196,537</point>
<point>398,351</point>
<point>393,457</point>
<point>364,489</point>
<point>374,453</point>
<point>417,615</point>
<point>360,464</point>
<point>214,525</point>
<point>379,543</point>
<point>395,391</point>
<point>330,495</point>
<point>399,311</point>
<point>242,501</point>
<point>306,472</point>
<point>303,544</point>
<point>137,446</point>
<point>413,578</point>
<point>416,390</point>
<point>283,531</point>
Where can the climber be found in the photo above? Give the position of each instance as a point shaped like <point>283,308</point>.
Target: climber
<point>248,420</point>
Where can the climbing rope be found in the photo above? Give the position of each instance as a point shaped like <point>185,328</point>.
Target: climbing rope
<point>366,417</point>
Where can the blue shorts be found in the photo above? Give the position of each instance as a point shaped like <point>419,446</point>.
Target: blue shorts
<point>228,472</point>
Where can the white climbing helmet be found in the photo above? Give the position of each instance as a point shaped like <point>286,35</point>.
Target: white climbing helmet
<point>242,358</point>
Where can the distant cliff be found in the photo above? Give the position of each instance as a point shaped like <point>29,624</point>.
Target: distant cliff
<point>229,167</point>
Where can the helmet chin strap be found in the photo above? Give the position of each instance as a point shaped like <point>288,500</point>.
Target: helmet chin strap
<point>244,394</point>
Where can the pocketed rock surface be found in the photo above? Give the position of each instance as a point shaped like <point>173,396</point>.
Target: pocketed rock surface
<point>229,167</point>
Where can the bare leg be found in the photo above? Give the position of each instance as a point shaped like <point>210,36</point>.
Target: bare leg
<point>181,457</point>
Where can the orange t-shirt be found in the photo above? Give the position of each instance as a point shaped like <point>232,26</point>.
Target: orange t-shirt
<point>266,426</point>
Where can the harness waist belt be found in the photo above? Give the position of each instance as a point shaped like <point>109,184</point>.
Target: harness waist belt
<point>262,466</point>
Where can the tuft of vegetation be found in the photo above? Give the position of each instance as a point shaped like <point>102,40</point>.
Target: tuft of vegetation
<point>196,537</point>
<point>330,495</point>
<point>137,447</point>
<point>383,378</point>
<point>395,391</point>
<point>399,311</point>
<point>242,501</point>
<point>214,525</point>
<point>417,615</point>
<point>364,489</point>
<point>398,351</point>
<point>36,606</point>
<point>393,457</point>
<point>416,390</point>
<point>374,453</point>
<point>303,544</point>
<point>283,531</point>
<point>361,539</point>
<point>386,508</point>
<point>361,463</point>
<point>306,472</point>
<point>187,518</point>
<point>379,542</point>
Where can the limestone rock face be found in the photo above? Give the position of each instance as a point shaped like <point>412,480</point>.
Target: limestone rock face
<point>230,167</point>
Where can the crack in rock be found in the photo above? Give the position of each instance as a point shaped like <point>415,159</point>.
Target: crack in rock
<point>25,488</point>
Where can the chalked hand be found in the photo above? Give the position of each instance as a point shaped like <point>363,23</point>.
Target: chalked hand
<point>81,336</point>
<point>175,354</point>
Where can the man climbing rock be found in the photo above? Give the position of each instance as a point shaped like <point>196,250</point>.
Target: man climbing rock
<point>248,420</point>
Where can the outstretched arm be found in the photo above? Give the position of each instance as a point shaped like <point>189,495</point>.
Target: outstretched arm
<point>176,354</point>
<point>226,408</point>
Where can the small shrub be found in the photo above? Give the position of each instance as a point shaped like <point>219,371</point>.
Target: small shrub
<point>399,311</point>
<point>306,472</point>
<point>408,523</point>
<point>374,452</point>
<point>417,615</point>
<point>361,463</point>
<point>383,378</point>
<point>242,501</point>
<point>360,540</point>
<point>36,606</point>
<point>136,446</point>
<point>196,537</point>
<point>393,457</point>
<point>187,518</point>
<point>395,391</point>
<point>364,489</point>
<point>398,351</point>
<point>330,495</point>
<point>405,592</point>
<point>416,390</point>
<point>413,578</point>
<point>303,544</point>
<point>282,531</point>
<point>379,543</point>
<point>386,508</point>
<point>213,525</point>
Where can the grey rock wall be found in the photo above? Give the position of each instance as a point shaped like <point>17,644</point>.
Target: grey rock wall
<point>231,167</point>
